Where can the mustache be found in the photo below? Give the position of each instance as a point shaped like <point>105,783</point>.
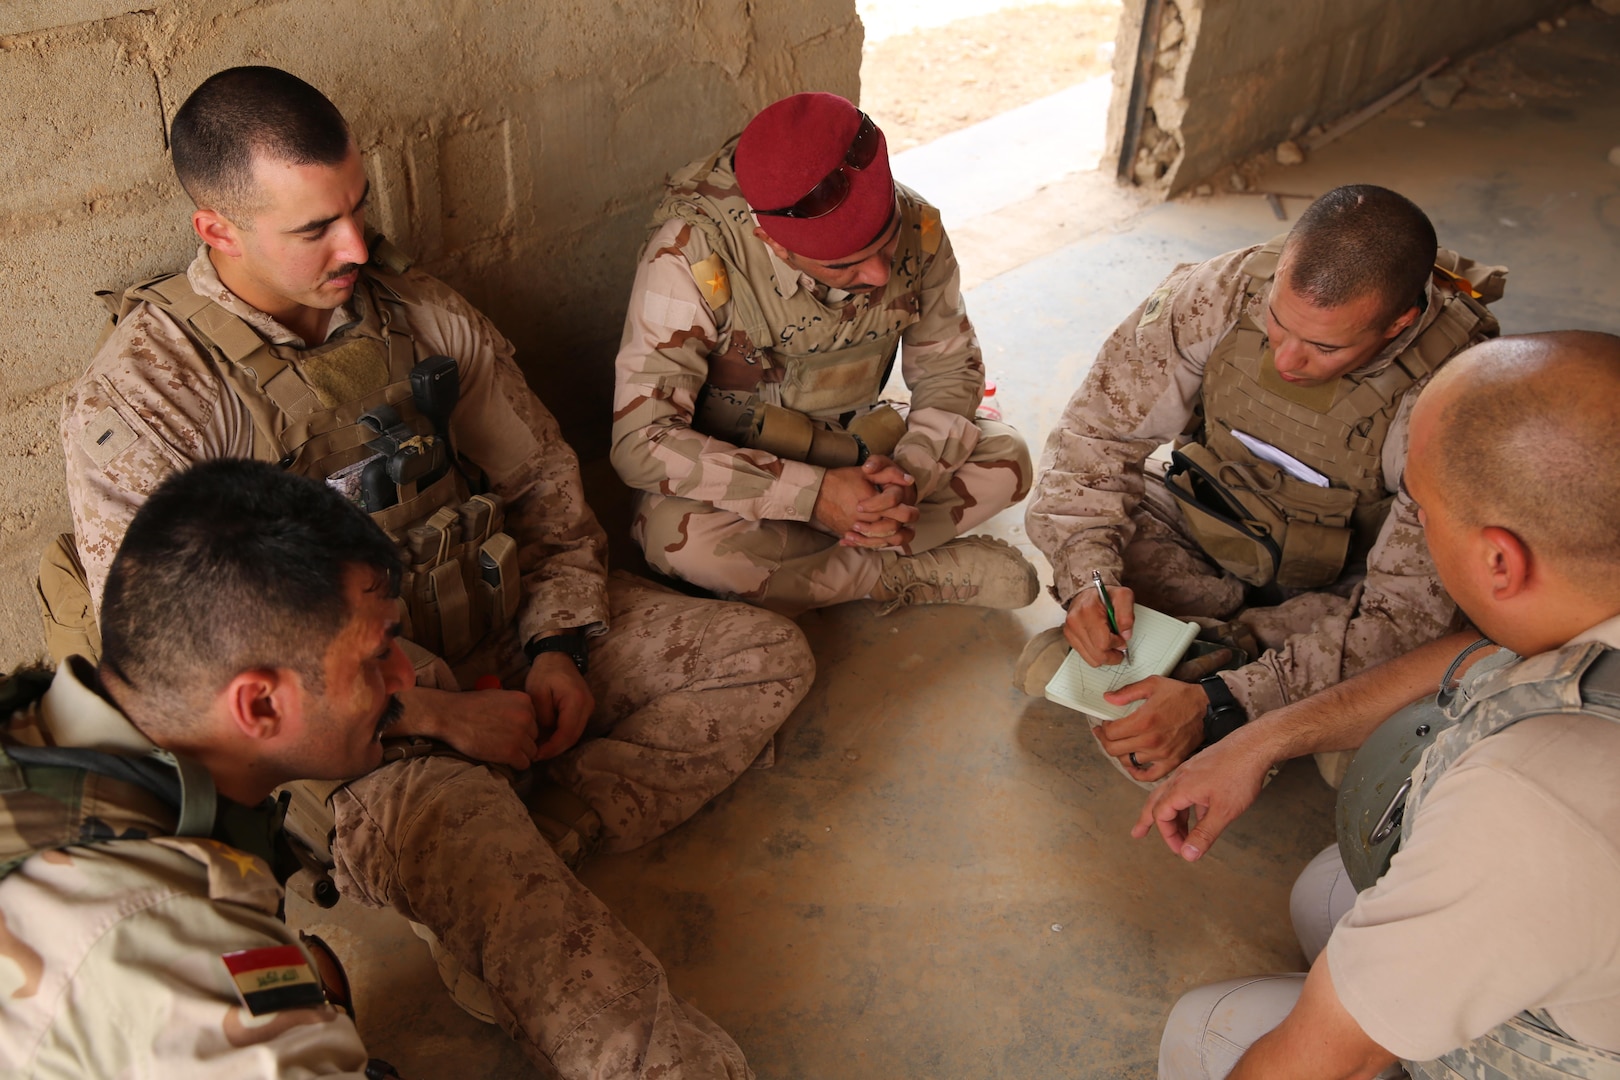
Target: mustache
<point>343,271</point>
<point>390,715</point>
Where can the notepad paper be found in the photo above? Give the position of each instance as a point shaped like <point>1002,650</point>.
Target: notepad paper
<point>1158,642</point>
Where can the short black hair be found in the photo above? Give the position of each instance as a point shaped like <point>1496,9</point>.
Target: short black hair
<point>1362,240</point>
<point>232,565</point>
<point>244,111</point>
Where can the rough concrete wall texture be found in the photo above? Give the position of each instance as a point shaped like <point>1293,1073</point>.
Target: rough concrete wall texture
<point>516,148</point>
<point>1234,76</point>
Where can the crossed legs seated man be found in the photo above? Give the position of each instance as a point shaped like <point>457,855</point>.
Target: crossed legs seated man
<point>1485,945</point>
<point>786,274</point>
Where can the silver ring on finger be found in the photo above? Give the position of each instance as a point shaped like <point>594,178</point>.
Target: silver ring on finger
<point>1136,764</point>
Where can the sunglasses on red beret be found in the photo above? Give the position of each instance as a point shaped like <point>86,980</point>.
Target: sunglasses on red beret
<point>830,194</point>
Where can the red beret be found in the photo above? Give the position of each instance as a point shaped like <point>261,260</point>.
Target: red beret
<point>788,149</point>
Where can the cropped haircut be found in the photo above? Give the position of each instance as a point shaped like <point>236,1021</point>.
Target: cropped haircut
<point>244,111</point>
<point>233,565</point>
<point>1527,444</point>
<point>1362,240</point>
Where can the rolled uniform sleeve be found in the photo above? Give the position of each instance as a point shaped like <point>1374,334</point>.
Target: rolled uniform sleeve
<point>501,426</point>
<point>943,367</point>
<point>1400,605</point>
<point>1140,393</point>
<point>669,336</point>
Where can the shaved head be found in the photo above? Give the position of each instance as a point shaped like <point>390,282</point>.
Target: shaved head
<point>1524,434</point>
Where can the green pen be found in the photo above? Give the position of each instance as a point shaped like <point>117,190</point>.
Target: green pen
<point>1108,607</point>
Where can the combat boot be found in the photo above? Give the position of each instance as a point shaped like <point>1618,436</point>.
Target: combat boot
<point>1042,656</point>
<point>976,570</point>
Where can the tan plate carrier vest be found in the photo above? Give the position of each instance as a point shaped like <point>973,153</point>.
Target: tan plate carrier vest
<point>306,406</point>
<point>1582,679</point>
<point>1263,524</point>
<point>793,376</point>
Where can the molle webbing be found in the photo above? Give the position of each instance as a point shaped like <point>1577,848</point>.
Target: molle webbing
<point>289,416</point>
<point>820,359</point>
<point>1578,679</point>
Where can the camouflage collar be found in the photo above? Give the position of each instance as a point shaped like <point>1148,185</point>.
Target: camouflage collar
<point>204,281</point>
<point>75,714</point>
<point>1386,356</point>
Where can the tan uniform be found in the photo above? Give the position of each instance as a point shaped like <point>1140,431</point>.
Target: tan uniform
<point>110,954</point>
<point>688,692</point>
<point>735,520</point>
<point>1099,504</point>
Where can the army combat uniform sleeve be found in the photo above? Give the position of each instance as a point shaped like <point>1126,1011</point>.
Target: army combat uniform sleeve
<point>669,335</point>
<point>502,427</point>
<point>148,405</point>
<point>1400,605</point>
<point>1140,393</point>
<point>943,367</point>
<point>112,965</point>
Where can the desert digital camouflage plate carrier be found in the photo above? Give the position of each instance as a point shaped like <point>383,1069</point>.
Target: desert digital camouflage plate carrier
<point>368,415</point>
<point>1253,517</point>
<point>1398,766</point>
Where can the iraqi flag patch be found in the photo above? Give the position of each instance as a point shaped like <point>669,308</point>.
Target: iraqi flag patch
<point>274,979</point>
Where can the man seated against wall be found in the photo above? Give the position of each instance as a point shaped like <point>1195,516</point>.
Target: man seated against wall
<point>1283,375</point>
<point>785,274</point>
<point>292,338</point>
<point>1488,946</point>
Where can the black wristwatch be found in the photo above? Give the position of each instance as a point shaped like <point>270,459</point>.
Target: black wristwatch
<point>570,642</point>
<point>1224,714</point>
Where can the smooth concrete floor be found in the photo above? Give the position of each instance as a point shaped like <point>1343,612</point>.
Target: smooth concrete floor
<point>936,879</point>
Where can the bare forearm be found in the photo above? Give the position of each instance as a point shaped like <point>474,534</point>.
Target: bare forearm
<point>1342,716</point>
<point>1284,1055</point>
<point>1317,1040</point>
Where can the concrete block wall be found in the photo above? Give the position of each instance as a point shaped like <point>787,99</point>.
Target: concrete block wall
<point>1234,76</point>
<point>516,148</point>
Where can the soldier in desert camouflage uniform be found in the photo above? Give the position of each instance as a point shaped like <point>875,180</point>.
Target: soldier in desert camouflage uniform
<point>140,888</point>
<point>784,274</point>
<point>1316,345</point>
<point>638,703</point>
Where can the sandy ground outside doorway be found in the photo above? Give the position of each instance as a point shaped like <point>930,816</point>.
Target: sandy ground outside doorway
<point>923,77</point>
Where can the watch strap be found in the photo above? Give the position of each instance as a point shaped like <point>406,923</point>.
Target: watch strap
<point>572,643</point>
<point>1224,715</point>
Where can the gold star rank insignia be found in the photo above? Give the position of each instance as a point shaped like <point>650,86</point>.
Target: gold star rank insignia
<point>712,282</point>
<point>931,232</point>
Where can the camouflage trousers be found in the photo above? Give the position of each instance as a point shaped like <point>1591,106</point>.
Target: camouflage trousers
<point>1168,571</point>
<point>790,566</point>
<point>688,692</point>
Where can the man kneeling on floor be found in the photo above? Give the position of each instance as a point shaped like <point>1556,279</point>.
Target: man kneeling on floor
<point>250,627</point>
<point>1488,947</point>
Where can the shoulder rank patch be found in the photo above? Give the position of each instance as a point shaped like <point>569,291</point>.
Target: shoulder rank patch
<point>712,282</point>
<point>105,437</point>
<point>931,231</point>
<point>1156,305</point>
<point>274,979</point>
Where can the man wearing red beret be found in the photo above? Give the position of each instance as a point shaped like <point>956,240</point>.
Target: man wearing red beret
<point>784,274</point>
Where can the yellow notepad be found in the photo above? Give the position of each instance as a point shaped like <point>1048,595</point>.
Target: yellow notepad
<point>1158,642</point>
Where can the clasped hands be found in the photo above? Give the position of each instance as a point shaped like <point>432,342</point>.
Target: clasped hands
<point>1168,726</point>
<point>505,727</point>
<point>871,505</point>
